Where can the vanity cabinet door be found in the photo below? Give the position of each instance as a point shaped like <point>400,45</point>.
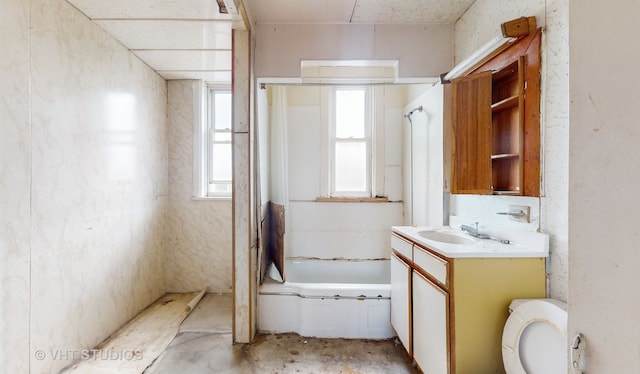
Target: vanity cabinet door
<point>430,326</point>
<point>495,124</point>
<point>471,125</point>
<point>401,300</point>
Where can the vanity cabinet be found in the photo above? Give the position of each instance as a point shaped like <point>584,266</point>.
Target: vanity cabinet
<point>431,324</point>
<point>401,309</point>
<point>459,305</point>
<point>401,292</point>
<point>495,124</point>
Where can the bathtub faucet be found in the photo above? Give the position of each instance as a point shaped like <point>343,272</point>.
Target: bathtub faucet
<point>474,231</point>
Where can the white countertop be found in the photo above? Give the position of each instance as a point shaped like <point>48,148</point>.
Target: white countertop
<point>522,244</point>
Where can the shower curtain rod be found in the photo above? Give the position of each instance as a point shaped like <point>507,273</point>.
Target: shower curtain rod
<point>264,85</point>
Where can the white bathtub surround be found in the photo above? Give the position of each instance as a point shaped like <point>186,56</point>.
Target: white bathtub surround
<point>337,271</point>
<point>341,230</point>
<point>331,299</point>
<point>329,229</point>
<point>422,167</point>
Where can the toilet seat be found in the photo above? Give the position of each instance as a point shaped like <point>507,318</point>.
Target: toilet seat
<point>546,321</point>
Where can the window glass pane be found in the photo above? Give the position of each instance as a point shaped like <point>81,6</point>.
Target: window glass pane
<point>222,137</point>
<point>350,108</point>
<point>351,166</point>
<point>220,188</point>
<point>222,110</point>
<point>221,162</point>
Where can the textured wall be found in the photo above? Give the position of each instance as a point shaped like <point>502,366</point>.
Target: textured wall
<point>604,164</point>
<point>15,182</point>
<point>480,24</point>
<point>198,251</point>
<point>423,50</point>
<point>84,183</point>
<point>99,182</point>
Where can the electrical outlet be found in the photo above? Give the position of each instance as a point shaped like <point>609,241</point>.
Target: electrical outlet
<point>520,213</point>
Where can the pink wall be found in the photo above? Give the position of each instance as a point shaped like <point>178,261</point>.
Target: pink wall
<point>423,50</point>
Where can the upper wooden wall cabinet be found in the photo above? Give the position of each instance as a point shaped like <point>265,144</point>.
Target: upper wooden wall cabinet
<point>495,123</point>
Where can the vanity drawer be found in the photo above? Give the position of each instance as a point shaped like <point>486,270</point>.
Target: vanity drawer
<point>404,247</point>
<point>432,264</point>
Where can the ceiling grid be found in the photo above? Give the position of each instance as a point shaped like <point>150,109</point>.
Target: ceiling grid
<point>192,40</point>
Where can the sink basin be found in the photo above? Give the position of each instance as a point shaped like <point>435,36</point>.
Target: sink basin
<point>445,237</point>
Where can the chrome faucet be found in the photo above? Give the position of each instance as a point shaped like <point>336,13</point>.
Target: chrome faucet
<point>474,231</point>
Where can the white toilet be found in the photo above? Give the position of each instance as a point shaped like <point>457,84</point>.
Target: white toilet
<point>534,340</point>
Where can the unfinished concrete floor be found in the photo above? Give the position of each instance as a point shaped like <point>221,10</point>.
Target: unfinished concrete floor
<point>204,345</point>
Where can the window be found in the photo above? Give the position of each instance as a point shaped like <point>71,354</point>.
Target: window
<point>212,167</point>
<point>350,142</point>
<point>218,160</point>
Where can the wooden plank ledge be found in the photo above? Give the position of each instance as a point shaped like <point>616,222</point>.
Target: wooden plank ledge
<point>138,343</point>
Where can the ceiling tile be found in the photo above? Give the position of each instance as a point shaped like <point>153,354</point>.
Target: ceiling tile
<point>220,77</point>
<point>192,40</point>
<point>145,9</point>
<point>170,34</point>
<point>409,11</point>
<point>186,60</point>
<point>300,11</point>
<point>357,11</point>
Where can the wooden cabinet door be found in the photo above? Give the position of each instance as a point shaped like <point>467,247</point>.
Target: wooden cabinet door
<point>471,134</point>
<point>430,326</point>
<point>401,300</point>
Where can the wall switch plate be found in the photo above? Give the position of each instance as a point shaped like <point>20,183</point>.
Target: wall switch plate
<point>520,213</point>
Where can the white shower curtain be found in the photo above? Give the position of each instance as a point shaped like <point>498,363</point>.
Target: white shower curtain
<point>278,146</point>
<point>278,181</point>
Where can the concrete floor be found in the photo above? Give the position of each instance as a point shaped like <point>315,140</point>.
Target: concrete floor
<point>204,345</point>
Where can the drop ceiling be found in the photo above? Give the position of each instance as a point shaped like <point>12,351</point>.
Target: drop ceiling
<point>190,39</point>
<point>357,11</point>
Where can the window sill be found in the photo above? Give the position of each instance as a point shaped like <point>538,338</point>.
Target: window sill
<point>211,198</point>
<point>352,200</point>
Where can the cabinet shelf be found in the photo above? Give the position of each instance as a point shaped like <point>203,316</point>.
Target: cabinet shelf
<point>495,124</point>
<point>506,192</point>
<point>507,103</point>
<point>504,156</point>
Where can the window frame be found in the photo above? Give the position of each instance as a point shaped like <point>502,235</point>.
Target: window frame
<point>202,116</point>
<point>211,141</point>
<point>368,140</point>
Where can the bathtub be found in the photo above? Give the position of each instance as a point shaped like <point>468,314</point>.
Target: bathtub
<point>328,299</point>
